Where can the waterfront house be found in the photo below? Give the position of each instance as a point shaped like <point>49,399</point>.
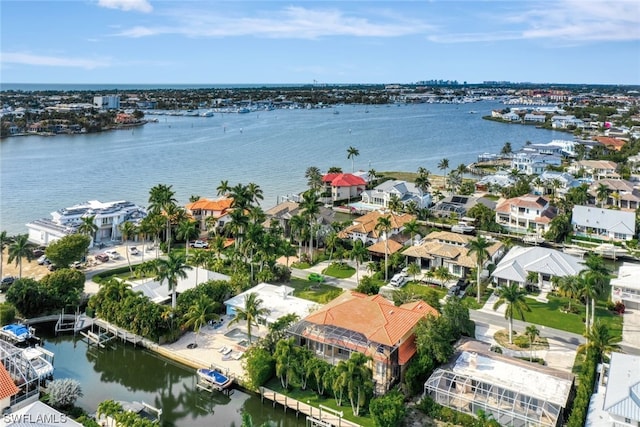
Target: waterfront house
<point>404,191</point>
<point>107,217</point>
<point>620,193</point>
<point>342,186</point>
<point>564,180</point>
<point>566,122</point>
<point>364,228</point>
<point>528,213</point>
<point>510,117</point>
<point>626,287</point>
<point>509,390</point>
<point>458,204</point>
<point>534,162</point>
<point>278,299</point>
<point>610,142</point>
<point>497,181</point>
<point>606,224</point>
<point>282,213</point>
<point>371,325</point>
<point>211,215</point>
<point>158,291</point>
<point>449,250</point>
<point>595,169</point>
<point>38,414</point>
<point>534,118</point>
<point>548,263</point>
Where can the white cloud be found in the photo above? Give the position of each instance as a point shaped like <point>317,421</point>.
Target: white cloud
<point>291,22</point>
<point>127,5</point>
<point>51,61</point>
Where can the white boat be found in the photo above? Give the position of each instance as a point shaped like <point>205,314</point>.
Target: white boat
<point>208,113</point>
<point>17,332</point>
<point>214,378</point>
<point>533,239</point>
<point>462,228</point>
<point>36,357</point>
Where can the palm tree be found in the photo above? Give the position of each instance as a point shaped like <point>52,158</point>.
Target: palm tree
<point>414,269</point>
<point>128,230</point>
<point>255,193</point>
<point>443,165</point>
<point>199,313</point>
<point>422,180</point>
<point>352,153</point>
<point>161,200</point>
<point>187,230</point>
<point>602,194</point>
<point>20,248</point>
<point>109,408</point>
<point>599,340</point>
<point>199,258</point>
<point>88,226</point>
<point>358,253</point>
<point>514,296</point>
<point>223,188</point>
<point>356,377</point>
<point>314,178</point>
<point>412,227</point>
<point>384,226</point>
<point>4,241</point>
<point>309,209</point>
<point>478,246</point>
<point>532,332</point>
<point>443,274</point>
<point>569,287</point>
<point>394,204</point>
<point>251,312</point>
<point>171,269</point>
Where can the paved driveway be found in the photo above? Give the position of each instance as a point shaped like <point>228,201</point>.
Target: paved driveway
<point>631,328</point>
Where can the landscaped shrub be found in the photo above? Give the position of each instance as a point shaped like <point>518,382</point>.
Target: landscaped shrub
<point>619,308</point>
<point>521,341</point>
<point>585,388</point>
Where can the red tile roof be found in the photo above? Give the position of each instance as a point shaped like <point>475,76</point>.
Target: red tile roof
<point>343,180</point>
<point>614,143</point>
<point>373,316</point>
<point>210,205</point>
<point>7,386</point>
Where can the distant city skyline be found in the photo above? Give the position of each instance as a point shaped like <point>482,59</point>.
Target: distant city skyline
<point>322,42</point>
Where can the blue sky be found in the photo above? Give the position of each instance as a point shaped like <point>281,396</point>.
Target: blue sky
<point>199,42</point>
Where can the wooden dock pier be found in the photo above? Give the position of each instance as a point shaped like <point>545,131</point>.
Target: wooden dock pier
<point>322,416</point>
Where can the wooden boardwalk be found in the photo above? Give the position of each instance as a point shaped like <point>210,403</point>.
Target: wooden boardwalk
<point>327,415</point>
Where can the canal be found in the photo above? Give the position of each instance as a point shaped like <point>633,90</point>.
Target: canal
<point>133,374</point>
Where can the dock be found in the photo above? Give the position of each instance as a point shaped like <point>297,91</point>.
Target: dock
<point>73,322</point>
<point>316,417</point>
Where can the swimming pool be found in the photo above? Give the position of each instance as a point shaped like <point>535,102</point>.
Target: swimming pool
<point>361,206</point>
<point>237,334</point>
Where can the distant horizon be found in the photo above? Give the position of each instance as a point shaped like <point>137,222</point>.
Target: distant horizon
<point>314,42</point>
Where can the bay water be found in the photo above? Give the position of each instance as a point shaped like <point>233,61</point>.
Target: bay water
<point>273,149</point>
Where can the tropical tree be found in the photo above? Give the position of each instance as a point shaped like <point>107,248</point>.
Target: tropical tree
<point>352,153</point>
<point>287,364</point>
<point>422,180</point>
<point>600,341</point>
<point>88,226</point>
<point>161,201</point>
<point>395,204</point>
<point>412,227</point>
<point>383,225</point>
<point>314,178</point>
<point>414,269</point>
<point>19,249</point>
<point>443,274</point>
<point>224,188</point>
<point>443,165</point>
<point>357,378</point>
<point>109,408</point>
<point>514,296</point>
<point>569,286</point>
<point>187,230</point>
<point>532,332</point>
<point>479,246</point>
<point>5,240</point>
<point>199,259</point>
<point>309,210</point>
<point>358,253</point>
<point>602,194</point>
<point>506,149</point>
<point>199,314</point>
<point>128,230</point>
<point>171,269</point>
<point>64,392</point>
<point>253,309</point>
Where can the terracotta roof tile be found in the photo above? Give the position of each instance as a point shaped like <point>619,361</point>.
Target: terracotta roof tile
<point>210,205</point>
<point>379,247</point>
<point>7,386</point>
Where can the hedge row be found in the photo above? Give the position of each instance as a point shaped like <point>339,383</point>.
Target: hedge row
<point>587,378</point>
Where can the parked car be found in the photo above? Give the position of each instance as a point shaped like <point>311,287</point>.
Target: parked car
<point>77,265</point>
<point>38,252</point>
<point>102,257</point>
<point>133,250</point>
<point>398,280</point>
<point>52,267</point>
<point>6,282</point>
<point>43,260</point>
<point>316,277</point>
<point>199,244</point>
<point>113,254</point>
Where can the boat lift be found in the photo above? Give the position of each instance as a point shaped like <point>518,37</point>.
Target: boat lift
<point>100,339</point>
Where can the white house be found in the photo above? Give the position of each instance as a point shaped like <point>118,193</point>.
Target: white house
<point>159,293</point>
<point>622,396</point>
<point>626,287</point>
<point>533,162</point>
<point>607,224</point>
<point>404,191</point>
<point>548,263</point>
<point>595,169</point>
<point>528,213</point>
<point>278,299</point>
<point>107,217</point>
<point>107,102</point>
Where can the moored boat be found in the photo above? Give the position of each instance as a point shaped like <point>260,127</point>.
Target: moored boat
<point>214,378</point>
<point>38,360</point>
<point>17,333</point>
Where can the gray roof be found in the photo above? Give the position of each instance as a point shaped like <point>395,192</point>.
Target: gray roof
<point>607,219</point>
<point>521,260</point>
<point>623,387</point>
<point>399,187</point>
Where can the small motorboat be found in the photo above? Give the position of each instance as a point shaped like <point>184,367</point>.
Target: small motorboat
<point>17,332</point>
<point>214,378</point>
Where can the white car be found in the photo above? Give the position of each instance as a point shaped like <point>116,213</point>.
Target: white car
<point>200,244</point>
<point>398,280</point>
<point>133,250</point>
<point>113,254</point>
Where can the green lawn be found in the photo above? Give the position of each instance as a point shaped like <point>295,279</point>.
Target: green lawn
<point>339,271</point>
<point>320,293</point>
<point>550,314</point>
<point>311,397</point>
<point>422,289</point>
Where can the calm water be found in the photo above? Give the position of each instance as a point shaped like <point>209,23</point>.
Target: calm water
<point>273,149</point>
<point>129,374</point>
